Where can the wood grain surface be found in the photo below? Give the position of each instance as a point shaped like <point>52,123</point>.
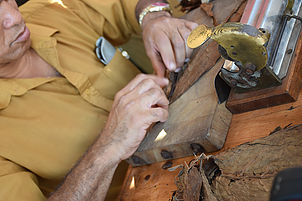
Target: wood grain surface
<point>196,123</point>
<point>151,182</point>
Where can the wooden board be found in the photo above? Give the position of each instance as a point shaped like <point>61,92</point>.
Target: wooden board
<point>196,123</point>
<point>245,127</point>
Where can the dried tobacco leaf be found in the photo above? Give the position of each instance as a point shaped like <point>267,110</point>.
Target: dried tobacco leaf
<point>245,172</point>
<point>188,5</point>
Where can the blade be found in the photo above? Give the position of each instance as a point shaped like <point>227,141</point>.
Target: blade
<point>222,89</point>
<point>173,78</point>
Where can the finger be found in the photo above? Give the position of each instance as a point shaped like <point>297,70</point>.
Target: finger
<point>150,87</point>
<point>165,49</point>
<point>144,103</point>
<point>158,114</point>
<point>138,79</point>
<point>185,32</point>
<point>157,63</point>
<point>146,85</point>
<point>191,25</point>
<point>179,48</point>
<point>154,56</point>
<point>153,97</point>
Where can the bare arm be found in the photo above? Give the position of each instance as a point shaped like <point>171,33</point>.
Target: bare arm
<point>92,174</point>
<point>135,108</point>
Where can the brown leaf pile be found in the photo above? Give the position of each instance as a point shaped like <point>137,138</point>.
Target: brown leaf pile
<point>243,173</point>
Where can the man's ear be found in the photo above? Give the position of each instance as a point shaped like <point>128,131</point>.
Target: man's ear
<point>20,2</point>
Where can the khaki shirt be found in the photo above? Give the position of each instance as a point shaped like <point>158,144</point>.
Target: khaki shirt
<point>46,124</point>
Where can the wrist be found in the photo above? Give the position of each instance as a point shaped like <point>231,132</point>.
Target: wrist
<point>107,149</point>
<point>154,15</point>
<point>145,7</point>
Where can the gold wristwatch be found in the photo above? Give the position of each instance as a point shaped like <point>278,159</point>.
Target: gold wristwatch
<point>154,7</point>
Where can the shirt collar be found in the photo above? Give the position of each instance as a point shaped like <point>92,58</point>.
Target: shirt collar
<point>41,41</point>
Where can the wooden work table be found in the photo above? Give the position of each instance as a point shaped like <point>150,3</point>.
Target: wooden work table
<point>152,183</point>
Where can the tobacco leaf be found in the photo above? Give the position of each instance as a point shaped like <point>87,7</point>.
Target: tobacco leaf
<point>208,9</point>
<point>192,189</point>
<point>188,5</point>
<point>246,172</point>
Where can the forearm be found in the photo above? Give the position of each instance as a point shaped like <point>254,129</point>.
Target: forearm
<point>143,4</point>
<point>91,177</point>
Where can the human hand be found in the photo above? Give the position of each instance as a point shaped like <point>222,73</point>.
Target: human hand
<point>165,40</point>
<point>138,105</point>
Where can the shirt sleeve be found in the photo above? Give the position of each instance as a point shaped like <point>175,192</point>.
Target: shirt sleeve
<point>16,183</point>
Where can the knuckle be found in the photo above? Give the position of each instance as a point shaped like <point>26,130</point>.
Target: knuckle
<point>155,92</point>
<point>178,41</point>
<point>160,114</point>
<point>182,28</point>
<point>123,101</point>
<point>117,96</point>
<point>148,82</point>
<point>127,106</point>
<point>156,113</point>
<point>165,100</point>
<point>140,76</point>
<point>165,20</point>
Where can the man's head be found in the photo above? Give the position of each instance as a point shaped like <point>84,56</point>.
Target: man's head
<point>14,35</point>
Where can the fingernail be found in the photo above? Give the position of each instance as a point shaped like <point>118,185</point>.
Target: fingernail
<point>177,70</point>
<point>172,66</point>
<point>166,80</point>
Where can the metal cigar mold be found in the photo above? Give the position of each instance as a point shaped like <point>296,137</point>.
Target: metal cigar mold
<point>259,49</point>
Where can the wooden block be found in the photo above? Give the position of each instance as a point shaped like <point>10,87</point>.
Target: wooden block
<point>196,123</point>
<point>263,98</point>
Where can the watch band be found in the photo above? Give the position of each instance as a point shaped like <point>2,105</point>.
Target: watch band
<point>154,7</point>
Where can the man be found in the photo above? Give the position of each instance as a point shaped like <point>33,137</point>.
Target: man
<point>56,96</point>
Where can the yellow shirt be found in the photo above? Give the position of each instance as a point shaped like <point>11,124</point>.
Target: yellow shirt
<point>46,124</point>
